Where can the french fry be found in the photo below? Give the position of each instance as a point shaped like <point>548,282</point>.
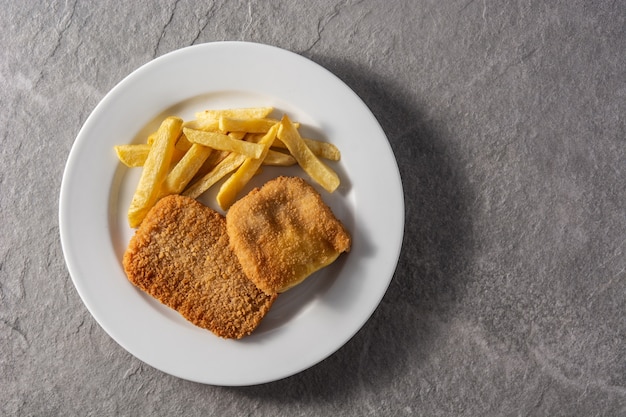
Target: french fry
<point>317,170</point>
<point>183,144</point>
<point>132,156</point>
<point>223,142</point>
<point>190,157</point>
<point>184,171</point>
<point>254,137</point>
<point>319,148</point>
<point>236,113</point>
<point>211,162</point>
<point>229,164</point>
<point>208,125</point>
<point>279,159</point>
<point>229,190</point>
<point>208,120</point>
<point>229,124</point>
<point>154,170</point>
<point>237,135</point>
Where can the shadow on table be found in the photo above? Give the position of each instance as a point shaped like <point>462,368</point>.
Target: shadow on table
<point>429,280</point>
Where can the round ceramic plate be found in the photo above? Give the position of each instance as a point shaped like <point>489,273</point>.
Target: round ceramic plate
<point>306,324</point>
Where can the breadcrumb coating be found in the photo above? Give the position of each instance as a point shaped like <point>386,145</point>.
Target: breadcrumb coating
<point>283,232</point>
<point>180,255</point>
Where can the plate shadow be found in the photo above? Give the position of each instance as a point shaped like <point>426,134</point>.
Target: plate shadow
<point>436,255</point>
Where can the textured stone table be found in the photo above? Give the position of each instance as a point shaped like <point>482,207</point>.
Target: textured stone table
<point>508,124</point>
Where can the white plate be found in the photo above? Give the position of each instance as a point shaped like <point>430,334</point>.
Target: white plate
<point>306,324</point>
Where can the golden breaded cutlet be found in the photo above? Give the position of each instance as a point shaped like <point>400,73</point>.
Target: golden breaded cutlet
<point>180,255</point>
<point>283,232</point>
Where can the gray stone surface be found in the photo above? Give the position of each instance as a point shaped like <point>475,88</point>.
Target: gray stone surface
<point>507,120</point>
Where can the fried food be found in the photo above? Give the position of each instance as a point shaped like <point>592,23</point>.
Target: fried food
<point>225,167</point>
<point>235,183</point>
<point>222,142</point>
<point>311,164</point>
<point>154,170</point>
<point>319,148</point>
<point>184,171</point>
<point>184,157</point>
<point>133,156</point>
<point>180,255</point>
<point>237,113</point>
<point>283,232</point>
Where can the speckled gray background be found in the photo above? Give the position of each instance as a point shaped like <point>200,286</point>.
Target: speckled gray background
<point>507,120</point>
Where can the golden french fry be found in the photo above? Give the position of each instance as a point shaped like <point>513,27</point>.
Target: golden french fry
<point>185,169</point>
<point>208,120</point>
<point>223,142</point>
<point>203,151</point>
<point>154,170</point>
<point>183,144</point>
<point>237,135</point>
<point>132,156</point>
<point>317,170</point>
<point>208,125</point>
<point>254,137</point>
<point>276,158</point>
<point>229,190</point>
<point>229,164</point>
<point>211,162</point>
<point>229,124</point>
<point>236,113</point>
<point>319,148</point>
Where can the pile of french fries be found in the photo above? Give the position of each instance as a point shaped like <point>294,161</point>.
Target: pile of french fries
<point>189,157</point>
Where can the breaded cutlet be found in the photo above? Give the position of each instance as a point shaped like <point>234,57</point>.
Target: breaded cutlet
<point>180,255</point>
<point>283,232</point>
